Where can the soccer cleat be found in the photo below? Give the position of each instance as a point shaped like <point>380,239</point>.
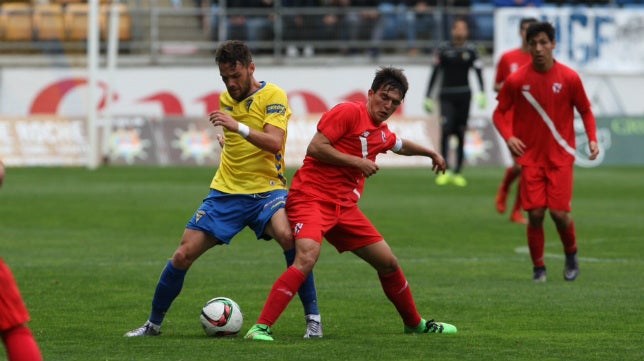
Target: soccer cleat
<point>539,274</point>
<point>517,217</point>
<point>571,268</point>
<point>259,333</point>
<point>148,329</point>
<point>501,199</point>
<point>459,180</point>
<point>431,327</point>
<point>443,179</point>
<point>313,326</point>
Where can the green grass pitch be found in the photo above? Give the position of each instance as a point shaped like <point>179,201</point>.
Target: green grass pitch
<point>87,248</point>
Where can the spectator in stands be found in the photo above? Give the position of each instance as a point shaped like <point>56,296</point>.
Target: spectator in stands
<point>252,28</point>
<point>424,23</point>
<point>301,27</point>
<point>357,22</point>
<point>396,18</point>
<point>318,26</point>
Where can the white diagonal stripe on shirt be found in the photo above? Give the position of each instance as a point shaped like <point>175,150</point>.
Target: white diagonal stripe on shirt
<point>535,104</point>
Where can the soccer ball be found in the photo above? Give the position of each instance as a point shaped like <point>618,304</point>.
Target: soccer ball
<point>221,317</point>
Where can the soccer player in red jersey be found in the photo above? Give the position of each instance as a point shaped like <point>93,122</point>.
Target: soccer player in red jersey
<point>16,336</point>
<point>544,95</point>
<point>322,202</point>
<point>509,62</point>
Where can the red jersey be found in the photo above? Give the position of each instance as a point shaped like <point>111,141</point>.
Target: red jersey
<point>13,311</point>
<point>510,62</point>
<point>350,130</point>
<point>544,106</point>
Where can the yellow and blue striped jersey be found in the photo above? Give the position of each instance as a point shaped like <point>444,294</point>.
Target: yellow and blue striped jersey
<point>245,168</point>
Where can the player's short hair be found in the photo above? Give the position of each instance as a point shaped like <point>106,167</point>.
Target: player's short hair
<point>540,27</point>
<point>392,78</point>
<point>233,52</point>
<point>525,21</point>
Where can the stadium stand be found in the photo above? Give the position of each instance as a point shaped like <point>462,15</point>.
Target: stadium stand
<point>125,22</point>
<point>76,21</point>
<point>48,22</point>
<point>15,22</point>
<point>162,28</point>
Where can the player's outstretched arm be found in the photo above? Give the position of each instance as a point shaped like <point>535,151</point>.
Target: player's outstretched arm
<point>410,148</point>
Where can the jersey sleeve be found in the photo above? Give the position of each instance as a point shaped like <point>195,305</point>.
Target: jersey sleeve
<point>436,65</point>
<point>336,121</point>
<point>583,106</point>
<point>501,70</point>
<point>502,123</point>
<point>276,109</point>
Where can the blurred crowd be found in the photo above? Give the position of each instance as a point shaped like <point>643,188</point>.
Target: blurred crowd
<point>351,22</point>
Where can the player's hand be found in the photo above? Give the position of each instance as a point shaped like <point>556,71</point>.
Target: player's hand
<point>438,164</point>
<point>367,167</point>
<point>219,118</point>
<point>516,146</point>
<point>481,100</point>
<point>428,104</point>
<point>594,150</point>
<point>221,140</point>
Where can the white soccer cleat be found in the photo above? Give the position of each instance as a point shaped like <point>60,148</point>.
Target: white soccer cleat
<point>313,326</point>
<point>148,329</point>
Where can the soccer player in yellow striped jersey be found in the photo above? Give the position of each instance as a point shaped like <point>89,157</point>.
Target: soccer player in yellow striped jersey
<point>265,107</point>
<point>248,189</point>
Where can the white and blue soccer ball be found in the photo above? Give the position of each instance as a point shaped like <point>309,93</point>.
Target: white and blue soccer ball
<point>221,317</point>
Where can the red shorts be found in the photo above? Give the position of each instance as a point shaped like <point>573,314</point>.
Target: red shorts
<point>346,228</point>
<point>546,187</point>
<point>12,309</point>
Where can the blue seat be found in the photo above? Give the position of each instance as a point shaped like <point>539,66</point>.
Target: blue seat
<point>483,15</point>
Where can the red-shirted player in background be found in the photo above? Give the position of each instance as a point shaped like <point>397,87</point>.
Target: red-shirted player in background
<point>16,336</point>
<point>541,134</point>
<point>509,62</point>
<point>323,200</point>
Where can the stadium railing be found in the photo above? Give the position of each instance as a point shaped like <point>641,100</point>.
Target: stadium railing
<point>155,32</point>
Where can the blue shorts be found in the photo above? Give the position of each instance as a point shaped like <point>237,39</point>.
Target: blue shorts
<point>223,215</point>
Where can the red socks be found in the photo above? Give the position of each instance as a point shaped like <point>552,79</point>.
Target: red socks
<point>536,242</point>
<point>21,345</point>
<point>397,290</point>
<point>568,238</point>
<point>283,291</point>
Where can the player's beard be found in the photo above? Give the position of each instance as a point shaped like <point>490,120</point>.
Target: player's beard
<point>244,90</point>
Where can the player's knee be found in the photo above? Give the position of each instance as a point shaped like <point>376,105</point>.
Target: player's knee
<point>305,261</point>
<point>537,214</point>
<point>182,260</point>
<point>284,238</point>
<point>561,218</point>
<point>388,265</point>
